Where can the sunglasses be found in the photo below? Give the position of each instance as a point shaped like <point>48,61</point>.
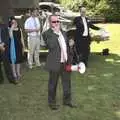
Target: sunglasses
<point>55,21</point>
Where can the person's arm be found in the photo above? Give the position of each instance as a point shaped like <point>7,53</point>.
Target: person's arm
<point>22,39</point>
<point>94,27</point>
<point>4,38</point>
<point>2,48</point>
<point>74,22</point>
<point>11,32</point>
<point>32,30</point>
<point>50,41</point>
<point>91,25</point>
<point>27,27</point>
<point>45,39</point>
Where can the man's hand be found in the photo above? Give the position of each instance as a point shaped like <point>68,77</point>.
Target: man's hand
<point>71,42</point>
<point>2,47</point>
<point>32,30</point>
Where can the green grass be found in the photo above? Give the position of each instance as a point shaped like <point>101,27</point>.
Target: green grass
<point>96,93</point>
<point>112,43</point>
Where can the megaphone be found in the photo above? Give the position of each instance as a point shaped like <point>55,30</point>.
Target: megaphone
<point>79,67</point>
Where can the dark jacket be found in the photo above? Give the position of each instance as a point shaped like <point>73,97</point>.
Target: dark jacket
<point>80,26</point>
<point>78,22</point>
<point>54,55</point>
<point>5,39</point>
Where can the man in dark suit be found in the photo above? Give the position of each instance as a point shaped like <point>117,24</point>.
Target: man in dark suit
<point>2,49</point>
<point>56,42</point>
<point>82,35</point>
<point>4,39</point>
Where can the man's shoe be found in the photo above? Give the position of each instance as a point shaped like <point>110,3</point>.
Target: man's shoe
<point>53,107</point>
<point>38,65</point>
<point>30,66</point>
<point>70,105</point>
<point>16,82</point>
<point>19,77</point>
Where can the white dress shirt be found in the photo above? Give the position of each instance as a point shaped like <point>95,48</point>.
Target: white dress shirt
<point>85,33</point>
<point>63,47</point>
<point>32,23</point>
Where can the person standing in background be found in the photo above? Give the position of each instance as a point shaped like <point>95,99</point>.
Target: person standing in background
<point>32,27</point>
<point>16,48</point>
<point>4,41</point>
<point>2,49</point>
<point>82,35</point>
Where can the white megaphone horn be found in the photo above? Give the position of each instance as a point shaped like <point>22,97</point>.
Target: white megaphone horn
<point>79,67</point>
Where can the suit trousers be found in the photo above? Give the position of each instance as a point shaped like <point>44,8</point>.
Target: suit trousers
<point>33,47</point>
<point>66,85</point>
<point>1,73</point>
<point>84,50</point>
<point>5,65</point>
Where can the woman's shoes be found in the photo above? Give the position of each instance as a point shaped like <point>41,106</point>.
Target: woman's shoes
<point>19,77</point>
<point>16,80</point>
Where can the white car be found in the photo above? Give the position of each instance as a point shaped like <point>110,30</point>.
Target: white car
<point>57,8</point>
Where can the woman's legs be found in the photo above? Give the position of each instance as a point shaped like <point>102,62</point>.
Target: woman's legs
<point>16,73</point>
<point>18,70</point>
<point>13,67</point>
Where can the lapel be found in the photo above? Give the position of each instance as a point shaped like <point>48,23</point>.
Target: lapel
<point>81,21</point>
<point>53,38</point>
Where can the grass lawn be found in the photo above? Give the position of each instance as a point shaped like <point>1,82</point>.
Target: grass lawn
<point>96,93</point>
<point>113,43</point>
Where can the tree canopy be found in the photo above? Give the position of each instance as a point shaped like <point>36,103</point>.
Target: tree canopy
<point>110,9</point>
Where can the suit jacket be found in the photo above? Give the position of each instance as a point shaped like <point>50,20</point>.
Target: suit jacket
<point>78,22</point>
<point>5,39</point>
<point>80,26</point>
<point>54,55</point>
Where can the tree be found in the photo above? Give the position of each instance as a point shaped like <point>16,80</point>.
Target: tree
<point>113,13</point>
<point>110,9</point>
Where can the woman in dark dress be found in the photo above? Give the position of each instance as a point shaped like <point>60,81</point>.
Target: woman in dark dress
<point>16,48</point>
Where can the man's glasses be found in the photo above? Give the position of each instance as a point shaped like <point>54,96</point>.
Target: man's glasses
<point>55,21</point>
